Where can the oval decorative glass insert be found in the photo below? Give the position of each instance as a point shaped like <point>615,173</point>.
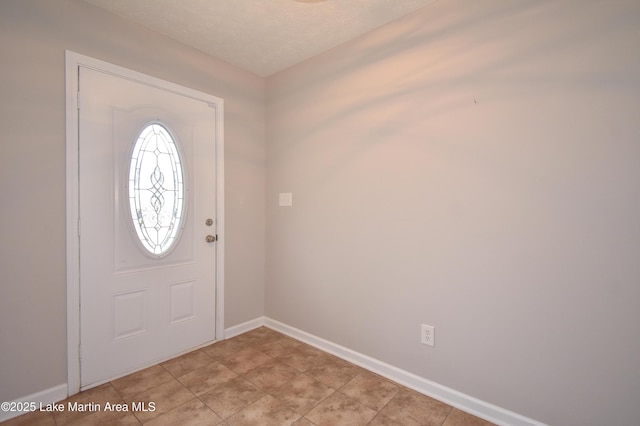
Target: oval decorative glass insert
<point>156,189</point>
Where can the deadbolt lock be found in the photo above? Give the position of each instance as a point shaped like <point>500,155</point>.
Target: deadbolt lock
<point>209,222</point>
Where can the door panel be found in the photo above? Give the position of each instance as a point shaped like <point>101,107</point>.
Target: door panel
<point>136,308</point>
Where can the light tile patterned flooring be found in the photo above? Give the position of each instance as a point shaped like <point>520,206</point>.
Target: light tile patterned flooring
<point>260,378</point>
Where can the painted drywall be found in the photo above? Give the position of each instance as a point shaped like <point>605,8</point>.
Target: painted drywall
<point>33,37</point>
<point>475,167</point>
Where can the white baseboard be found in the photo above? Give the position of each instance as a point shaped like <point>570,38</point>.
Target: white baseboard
<point>244,327</point>
<point>47,396</point>
<point>466,403</point>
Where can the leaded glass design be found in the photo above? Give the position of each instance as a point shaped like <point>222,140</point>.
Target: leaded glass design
<point>156,189</point>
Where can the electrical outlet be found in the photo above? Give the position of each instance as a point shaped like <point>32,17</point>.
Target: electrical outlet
<point>428,336</point>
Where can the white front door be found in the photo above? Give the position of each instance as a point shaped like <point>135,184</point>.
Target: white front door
<point>147,269</point>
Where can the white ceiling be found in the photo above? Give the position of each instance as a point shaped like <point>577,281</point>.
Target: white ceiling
<point>262,36</point>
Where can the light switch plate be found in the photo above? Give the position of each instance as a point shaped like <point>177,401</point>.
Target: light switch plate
<point>285,199</point>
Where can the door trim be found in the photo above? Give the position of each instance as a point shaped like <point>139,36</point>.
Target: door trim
<point>72,63</point>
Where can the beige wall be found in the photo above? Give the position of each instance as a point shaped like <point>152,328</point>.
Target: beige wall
<point>476,167</point>
<point>33,37</point>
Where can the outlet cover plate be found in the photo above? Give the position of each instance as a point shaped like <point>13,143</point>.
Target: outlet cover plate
<point>428,335</point>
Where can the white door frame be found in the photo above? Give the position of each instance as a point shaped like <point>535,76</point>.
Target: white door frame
<point>72,62</point>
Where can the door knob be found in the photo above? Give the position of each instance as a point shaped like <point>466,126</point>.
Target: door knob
<point>211,238</point>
